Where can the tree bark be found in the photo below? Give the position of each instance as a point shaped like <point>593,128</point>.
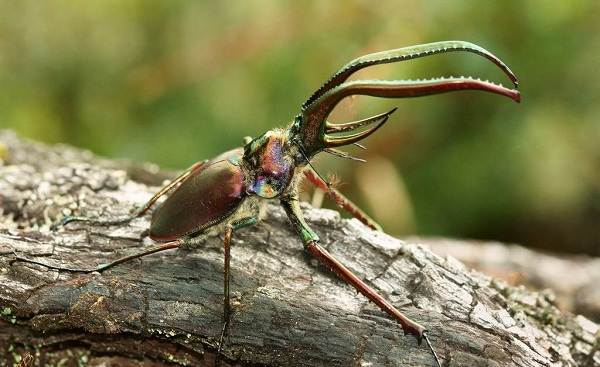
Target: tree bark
<point>573,279</point>
<point>166,309</point>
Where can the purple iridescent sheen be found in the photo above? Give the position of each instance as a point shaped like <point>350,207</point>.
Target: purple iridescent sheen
<point>274,168</point>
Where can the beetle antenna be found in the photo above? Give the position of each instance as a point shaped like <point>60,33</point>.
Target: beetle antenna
<point>311,166</point>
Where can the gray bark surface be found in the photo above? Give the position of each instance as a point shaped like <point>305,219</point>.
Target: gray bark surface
<point>578,292</point>
<point>167,308</point>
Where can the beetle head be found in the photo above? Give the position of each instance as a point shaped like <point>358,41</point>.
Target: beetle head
<point>269,164</point>
<point>313,133</point>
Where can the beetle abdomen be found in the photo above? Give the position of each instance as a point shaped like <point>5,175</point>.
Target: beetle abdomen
<point>209,195</point>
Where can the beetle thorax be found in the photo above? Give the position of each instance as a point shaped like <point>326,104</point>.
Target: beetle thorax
<point>270,164</point>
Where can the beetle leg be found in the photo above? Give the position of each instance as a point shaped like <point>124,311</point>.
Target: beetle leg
<point>141,211</point>
<point>168,188</point>
<point>341,200</point>
<point>310,239</point>
<point>229,229</point>
<point>158,248</point>
<point>100,268</point>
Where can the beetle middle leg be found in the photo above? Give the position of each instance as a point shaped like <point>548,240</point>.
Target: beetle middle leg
<point>229,229</point>
<point>139,212</point>
<point>341,200</point>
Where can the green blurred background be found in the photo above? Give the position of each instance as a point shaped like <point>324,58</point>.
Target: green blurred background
<point>174,82</point>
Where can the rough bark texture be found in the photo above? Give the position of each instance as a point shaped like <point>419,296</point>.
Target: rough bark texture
<point>574,279</point>
<point>166,309</point>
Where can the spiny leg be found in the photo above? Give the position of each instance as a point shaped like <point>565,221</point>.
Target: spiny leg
<point>141,211</point>
<point>341,200</point>
<point>310,239</point>
<point>229,229</point>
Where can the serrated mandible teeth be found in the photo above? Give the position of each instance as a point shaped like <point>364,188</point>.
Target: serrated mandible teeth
<point>338,141</point>
<point>349,126</point>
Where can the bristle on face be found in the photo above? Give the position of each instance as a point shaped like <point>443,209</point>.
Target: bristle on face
<point>341,154</point>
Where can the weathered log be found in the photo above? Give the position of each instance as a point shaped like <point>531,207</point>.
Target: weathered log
<point>166,308</point>
<point>573,279</point>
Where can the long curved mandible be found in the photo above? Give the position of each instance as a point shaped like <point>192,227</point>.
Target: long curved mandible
<point>392,89</point>
<point>312,126</point>
<point>406,53</point>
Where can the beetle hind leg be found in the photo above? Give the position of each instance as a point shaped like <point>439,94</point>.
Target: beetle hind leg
<point>138,213</point>
<point>93,221</point>
<point>102,267</point>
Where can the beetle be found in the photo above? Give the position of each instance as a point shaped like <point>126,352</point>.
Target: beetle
<point>228,192</point>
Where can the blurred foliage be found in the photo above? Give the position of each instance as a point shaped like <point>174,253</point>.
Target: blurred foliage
<point>178,81</point>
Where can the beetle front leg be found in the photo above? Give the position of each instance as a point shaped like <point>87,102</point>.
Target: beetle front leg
<point>341,200</point>
<point>310,239</point>
<point>141,211</point>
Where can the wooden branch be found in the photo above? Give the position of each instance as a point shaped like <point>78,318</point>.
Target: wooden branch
<point>166,309</point>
